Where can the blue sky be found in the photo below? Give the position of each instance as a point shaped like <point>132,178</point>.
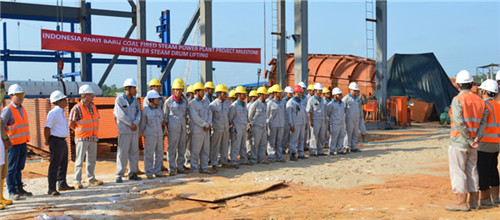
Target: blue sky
<point>462,34</point>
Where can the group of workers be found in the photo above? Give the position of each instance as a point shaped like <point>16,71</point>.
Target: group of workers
<point>207,127</point>
<point>474,144</point>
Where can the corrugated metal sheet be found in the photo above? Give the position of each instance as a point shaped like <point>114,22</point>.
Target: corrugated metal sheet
<point>331,71</point>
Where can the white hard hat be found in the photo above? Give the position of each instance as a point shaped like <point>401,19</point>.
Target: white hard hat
<point>85,89</point>
<point>56,96</point>
<point>130,82</point>
<point>353,86</point>
<point>152,94</point>
<point>302,85</point>
<point>464,77</point>
<point>318,86</point>
<point>15,89</point>
<point>336,91</point>
<point>497,77</point>
<point>288,89</point>
<point>490,86</point>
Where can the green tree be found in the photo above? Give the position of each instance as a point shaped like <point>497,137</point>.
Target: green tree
<point>110,91</point>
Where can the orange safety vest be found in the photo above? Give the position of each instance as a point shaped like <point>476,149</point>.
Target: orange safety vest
<point>472,110</point>
<point>88,125</point>
<point>19,132</point>
<point>492,130</point>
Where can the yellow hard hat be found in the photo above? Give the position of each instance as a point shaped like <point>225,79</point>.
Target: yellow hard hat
<point>190,89</point>
<point>178,80</point>
<point>253,93</point>
<point>262,90</point>
<point>277,88</point>
<point>326,90</point>
<point>240,90</point>
<point>271,89</point>
<point>225,87</point>
<point>198,86</point>
<point>177,85</point>
<point>232,94</point>
<point>209,85</point>
<point>310,87</point>
<point>154,82</point>
<point>220,88</point>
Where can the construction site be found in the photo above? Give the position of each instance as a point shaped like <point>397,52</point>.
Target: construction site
<point>402,171</point>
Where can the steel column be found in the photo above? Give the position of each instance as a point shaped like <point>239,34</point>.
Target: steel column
<point>301,39</point>
<point>141,61</point>
<point>206,37</point>
<point>281,41</point>
<point>5,73</point>
<point>381,61</point>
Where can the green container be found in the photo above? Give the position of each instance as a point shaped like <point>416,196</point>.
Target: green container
<point>443,117</point>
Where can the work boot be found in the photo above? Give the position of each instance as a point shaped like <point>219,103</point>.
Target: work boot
<point>14,196</point>
<point>78,186</point>
<point>172,173</point>
<point>119,180</point>
<point>23,192</point>
<point>460,203</point>
<point>494,195</point>
<point>486,198</point>
<point>474,200</point>
<point>2,207</point>
<point>96,182</point>
<point>163,168</point>
<point>64,187</point>
<point>355,150</point>
<point>3,200</point>
<point>134,177</point>
<point>53,193</point>
<point>150,177</point>
<point>160,175</point>
<point>293,157</point>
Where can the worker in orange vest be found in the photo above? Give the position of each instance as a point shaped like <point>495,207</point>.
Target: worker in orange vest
<point>84,120</point>
<point>15,120</point>
<point>468,120</point>
<point>487,152</point>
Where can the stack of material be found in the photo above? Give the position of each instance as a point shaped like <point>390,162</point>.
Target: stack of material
<point>421,111</point>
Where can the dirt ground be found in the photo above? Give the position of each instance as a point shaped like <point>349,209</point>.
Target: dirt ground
<point>401,174</point>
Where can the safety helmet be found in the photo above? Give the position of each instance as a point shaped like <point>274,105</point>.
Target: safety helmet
<point>298,88</point>
<point>497,77</point>
<point>262,90</point>
<point>353,86</point>
<point>490,86</point>
<point>288,89</point>
<point>85,89</point>
<point>177,85</point>
<point>225,87</point>
<point>152,94</point>
<point>56,96</point>
<point>464,77</point>
<point>220,88</point>
<point>198,86</point>
<point>15,89</point>
<point>240,90</point>
<point>253,93</point>
<point>154,82</point>
<point>130,82</point>
<point>232,94</point>
<point>179,80</point>
<point>310,87</point>
<point>209,85</point>
<point>190,89</point>
<point>317,86</point>
<point>277,88</point>
<point>336,91</point>
<point>271,89</point>
<point>302,85</point>
<point>326,90</point>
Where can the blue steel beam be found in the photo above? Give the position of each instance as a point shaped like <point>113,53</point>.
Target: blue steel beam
<point>37,18</point>
<point>68,60</point>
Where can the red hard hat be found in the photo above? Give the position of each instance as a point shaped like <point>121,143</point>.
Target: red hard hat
<point>297,88</point>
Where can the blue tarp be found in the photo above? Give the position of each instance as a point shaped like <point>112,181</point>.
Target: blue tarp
<point>251,84</point>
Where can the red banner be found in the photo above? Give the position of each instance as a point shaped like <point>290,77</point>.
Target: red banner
<point>87,43</point>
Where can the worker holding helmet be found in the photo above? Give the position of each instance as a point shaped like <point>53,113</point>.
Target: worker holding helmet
<point>468,120</point>
<point>238,122</point>
<point>317,121</point>
<point>174,117</point>
<point>151,128</point>
<point>257,119</point>
<point>128,115</point>
<point>353,117</point>
<point>297,120</point>
<point>15,120</point>
<point>84,120</point>
<point>487,152</point>
<point>220,120</point>
<point>200,118</point>
<point>276,122</point>
<point>335,110</point>
<point>55,133</point>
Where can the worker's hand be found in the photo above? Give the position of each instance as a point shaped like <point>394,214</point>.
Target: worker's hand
<point>311,124</point>
<point>475,144</point>
<point>133,127</point>
<point>7,143</point>
<point>292,128</point>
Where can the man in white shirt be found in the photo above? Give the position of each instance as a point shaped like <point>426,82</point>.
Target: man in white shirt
<point>55,133</point>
